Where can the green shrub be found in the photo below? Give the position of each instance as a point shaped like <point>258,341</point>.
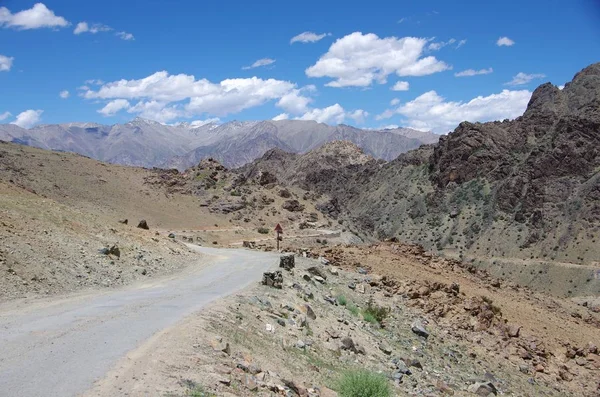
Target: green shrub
<point>363,384</point>
<point>341,300</point>
<point>352,308</point>
<point>376,313</point>
<point>263,230</point>
<point>368,317</point>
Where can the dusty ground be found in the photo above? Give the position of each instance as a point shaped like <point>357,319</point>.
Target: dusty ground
<point>521,342</point>
<point>59,210</point>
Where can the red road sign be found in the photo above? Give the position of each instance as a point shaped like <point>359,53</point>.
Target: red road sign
<point>278,228</point>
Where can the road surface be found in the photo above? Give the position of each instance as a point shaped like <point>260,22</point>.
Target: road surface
<point>59,348</point>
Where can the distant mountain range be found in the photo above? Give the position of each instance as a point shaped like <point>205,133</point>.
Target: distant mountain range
<point>148,143</point>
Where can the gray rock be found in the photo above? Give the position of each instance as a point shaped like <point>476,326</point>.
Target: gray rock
<point>287,262</point>
<point>171,235</point>
<point>348,344</point>
<point>418,328</point>
<point>143,225</point>
<point>273,279</point>
<point>483,389</point>
<point>385,348</point>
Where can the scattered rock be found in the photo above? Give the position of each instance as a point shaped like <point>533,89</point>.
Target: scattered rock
<point>306,309</point>
<point>385,348</point>
<point>418,328</point>
<point>287,262</point>
<point>124,221</point>
<point>348,344</point>
<point>316,272</point>
<point>171,235</point>
<point>143,225</point>
<point>483,389</point>
<point>273,279</point>
<point>319,279</point>
<point>293,206</point>
<point>514,330</point>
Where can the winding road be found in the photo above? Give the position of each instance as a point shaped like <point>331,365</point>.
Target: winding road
<point>61,347</point>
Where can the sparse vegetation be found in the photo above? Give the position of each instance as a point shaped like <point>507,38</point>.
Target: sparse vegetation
<point>263,230</point>
<point>352,308</point>
<point>341,300</point>
<point>362,383</point>
<point>374,313</point>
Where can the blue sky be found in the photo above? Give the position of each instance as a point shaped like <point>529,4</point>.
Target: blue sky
<point>174,61</point>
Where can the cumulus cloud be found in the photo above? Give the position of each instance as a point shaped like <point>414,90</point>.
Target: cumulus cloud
<point>400,86</point>
<point>83,27</point>
<point>113,107</point>
<point>431,112</point>
<point>308,37</point>
<point>125,36</point>
<point>358,116</point>
<point>64,94</point>
<point>473,72</point>
<point>504,41</point>
<point>394,102</point>
<point>259,63</point>
<point>281,116</point>
<point>334,114</point>
<point>163,97</point>
<point>6,63</point>
<point>5,115</point>
<point>38,16</point>
<point>359,59</point>
<point>524,78</point>
<point>28,118</point>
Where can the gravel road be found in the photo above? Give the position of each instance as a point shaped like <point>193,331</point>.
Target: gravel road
<point>60,347</point>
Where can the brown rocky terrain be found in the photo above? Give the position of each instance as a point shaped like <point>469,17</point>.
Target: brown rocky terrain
<point>432,326</point>
<point>519,198</point>
<point>61,215</point>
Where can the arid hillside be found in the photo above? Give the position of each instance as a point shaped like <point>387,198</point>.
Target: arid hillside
<point>520,198</point>
<point>60,215</point>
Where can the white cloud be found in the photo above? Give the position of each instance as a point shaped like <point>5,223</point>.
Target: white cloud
<point>83,27</point>
<point>28,118</point>
<point>64,94</point>
<point>401,86</point>
<point>114,107</point>
<point>394,102</point>
<point>473,72</point>
<point>358,116</point>
<point>334,113</point>
<point>560,87</point>
<point>162,95</point>
<point>435,46</point>
<point>430,112</point>
<point>461,43</point>
<point>308,37</point>
<point>39,16</point>
<point>401,20</point>
<point>125,36</point>
<point>295,103</point>
<point>93,82</point>
<point>259,63</point>
<point>504,41</point>
<point>524,78</point>
<point>5,115</point>
<point>5,63</point>
<point>281,116</point>
<point>359,59</point>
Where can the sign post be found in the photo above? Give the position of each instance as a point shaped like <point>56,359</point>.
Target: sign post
<point>279,231</point>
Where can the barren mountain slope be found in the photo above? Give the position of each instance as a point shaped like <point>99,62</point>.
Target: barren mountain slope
<point>526,189</point>
<point>59,211</point>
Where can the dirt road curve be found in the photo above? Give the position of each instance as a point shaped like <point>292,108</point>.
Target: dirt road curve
<point>59,348</point>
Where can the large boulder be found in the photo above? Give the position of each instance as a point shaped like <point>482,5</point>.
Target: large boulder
<point>287,262</point>
<point>273,279</point>
<point>143,225</point>
<point>293,206</point>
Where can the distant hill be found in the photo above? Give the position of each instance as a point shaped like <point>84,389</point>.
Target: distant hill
<point>147,143</point>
